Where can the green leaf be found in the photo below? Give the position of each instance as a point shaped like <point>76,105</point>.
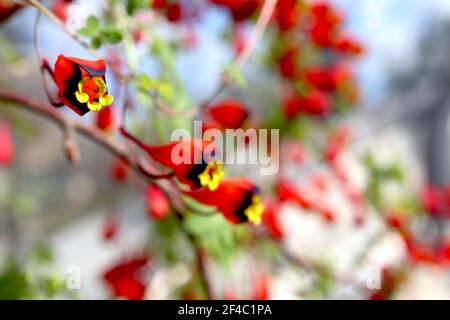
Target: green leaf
<point>92,22</point>
<point>96,42</point>
<point>91,28</point>
<point>111,34</point>
<point>87,32</point>
<point>13,283</point>
<point>43,254</point>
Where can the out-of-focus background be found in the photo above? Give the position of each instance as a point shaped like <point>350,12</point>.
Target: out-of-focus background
<point>404,116</point>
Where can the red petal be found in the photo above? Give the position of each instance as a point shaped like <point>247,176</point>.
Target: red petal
<point>230,113</point>
<point>229,198</point>
<point>158,203</point>
<point>6,145</point>
<point>124,279</point>
<point>68,73</point>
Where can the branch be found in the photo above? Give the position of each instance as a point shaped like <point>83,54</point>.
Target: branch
<point>109,143</point>
<point>258,30</point>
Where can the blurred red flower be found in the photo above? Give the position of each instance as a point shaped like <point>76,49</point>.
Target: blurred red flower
<point>315,103</point>
<point>106,119</point>
<point>186,159</point>
<point>286,14</point>
<point>238,199</point>
<point>6,144</point>
<point>229,113</point>
<point>157,201</point>
<point>125,280</point>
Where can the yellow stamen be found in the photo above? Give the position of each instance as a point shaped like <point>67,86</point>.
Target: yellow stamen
<point>94,106</point>
<point>82,97</point>
<point>255,210</point>
<point>211,176</point>
<point>93,93</point>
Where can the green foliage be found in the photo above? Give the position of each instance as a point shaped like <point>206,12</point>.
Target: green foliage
<point>168,241</point>
<point>133,5</point>
<point>111,34</point>
<point>31,279</point>
<point>379,174</point>
<point>163,88</point>
<point>14,283</point>
<point>215,234</point>
<point>99,34</point>
<point>43,254</point>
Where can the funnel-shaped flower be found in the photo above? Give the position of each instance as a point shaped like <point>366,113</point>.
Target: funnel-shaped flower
<point>157,201</point>
<point>191,160</point>
<point>238,199</point>
<point>81,84</point>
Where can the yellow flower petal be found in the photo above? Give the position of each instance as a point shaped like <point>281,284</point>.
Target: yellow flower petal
<point>82,97</point>
<point>211,176</point>
<point>94,106</point>
<point>106,100</point>
<point>255,211</point>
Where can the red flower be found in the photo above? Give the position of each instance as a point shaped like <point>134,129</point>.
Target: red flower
<point>272,219</point>
<point>314,103</point>
<point>240,9</point>
<point>238,199</point>
<point>433,200</point>
<point>186,160</point>
<point>262,288</point>
<point>288,192</point>
<point>174,12</point>
<point>324,24</point>
<point>81,84</point>
<point>6,144</point>
<point>125,280</point>
<point>158,4</point>
<point>286,14</point>
<point>158,203</point>
<point>119,169</point>
<point>348,45</point>
<point>60,7</point>
<point>322,78</point>
<point>443,255</point>
<point>106,119</point>
<point>229,113</point>
<point>287,63</point>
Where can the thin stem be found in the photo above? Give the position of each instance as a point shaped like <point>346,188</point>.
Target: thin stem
<point>250,45</point>
<point>258,30</point>
<point>39,6</point>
